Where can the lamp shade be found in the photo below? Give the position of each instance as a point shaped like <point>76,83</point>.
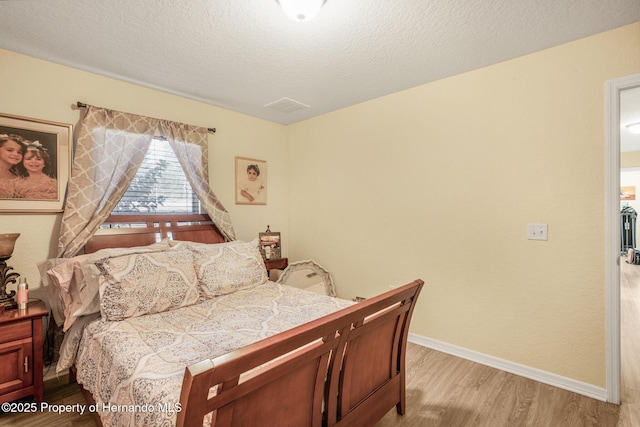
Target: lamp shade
<point>7,243</point>
<point>301,10</point>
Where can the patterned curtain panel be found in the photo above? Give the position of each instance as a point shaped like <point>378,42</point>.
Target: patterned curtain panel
<point>110,146</point>
<point>191,148</point>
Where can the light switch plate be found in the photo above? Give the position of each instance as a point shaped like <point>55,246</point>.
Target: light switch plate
<point>538,232</point>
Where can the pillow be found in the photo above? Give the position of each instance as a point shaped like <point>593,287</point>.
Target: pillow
<point>77,280</point>
<point>228,267</point>
<point>66,278</point>
<point>194,246</point>
<point>55,298</point>
<point>147,283</point>
<point>91,275</point>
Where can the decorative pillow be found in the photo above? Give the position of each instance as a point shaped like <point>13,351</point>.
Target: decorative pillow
<point>77,283</point>
<point>228,267</point>
<point>139,284</point>
<point>92,276</point>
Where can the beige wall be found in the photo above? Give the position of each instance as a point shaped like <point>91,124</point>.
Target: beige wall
<point>43,90</point>
<point>630,159</point>
<point>440,181</point>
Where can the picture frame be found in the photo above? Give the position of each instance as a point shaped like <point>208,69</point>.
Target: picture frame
<point>628,192</point>
<point>50,143</point>
<point>250,181</point>
<point>270,245</point>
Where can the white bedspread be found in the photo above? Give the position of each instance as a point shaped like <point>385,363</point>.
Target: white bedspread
<point>134,368</point>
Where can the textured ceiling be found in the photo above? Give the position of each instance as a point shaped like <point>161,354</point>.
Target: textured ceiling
<point>245,54</point>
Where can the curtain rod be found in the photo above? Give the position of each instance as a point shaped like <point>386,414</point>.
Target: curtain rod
<point>83,105</point>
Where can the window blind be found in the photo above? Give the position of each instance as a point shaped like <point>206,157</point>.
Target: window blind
<point>159,186</point>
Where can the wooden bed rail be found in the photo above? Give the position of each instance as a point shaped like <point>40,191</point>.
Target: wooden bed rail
<point>344,369</point>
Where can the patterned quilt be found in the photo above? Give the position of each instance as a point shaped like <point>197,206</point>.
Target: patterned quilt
<point>134,367</point>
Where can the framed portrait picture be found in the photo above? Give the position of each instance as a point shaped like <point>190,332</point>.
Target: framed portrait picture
<point>270,245</point>
<point>251,181</point>
<point>35,160</point>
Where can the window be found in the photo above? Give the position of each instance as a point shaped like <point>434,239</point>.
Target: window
<point>159,186</point>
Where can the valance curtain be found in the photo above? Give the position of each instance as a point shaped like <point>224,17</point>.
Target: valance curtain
<point>109,148</point>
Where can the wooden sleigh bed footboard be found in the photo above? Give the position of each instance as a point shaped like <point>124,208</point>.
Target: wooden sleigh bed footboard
<point>345,369</point>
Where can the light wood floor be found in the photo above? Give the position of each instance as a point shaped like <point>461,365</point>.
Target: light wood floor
<point>447,391</point>
<point>443,390</point>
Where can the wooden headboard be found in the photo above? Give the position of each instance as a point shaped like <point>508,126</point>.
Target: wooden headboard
<point>120,231</point>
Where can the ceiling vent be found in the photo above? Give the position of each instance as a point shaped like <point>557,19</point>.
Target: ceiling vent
<point>286,105</point>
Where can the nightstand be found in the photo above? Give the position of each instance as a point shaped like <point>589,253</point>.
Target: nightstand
<point>21,352</point>
<point>279,263</point>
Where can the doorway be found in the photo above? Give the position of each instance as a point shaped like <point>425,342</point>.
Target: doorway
<point>614,89</point>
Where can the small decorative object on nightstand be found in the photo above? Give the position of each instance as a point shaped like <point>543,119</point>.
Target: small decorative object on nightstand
<point>7,243</point>
<point>21,352</point>
<point>270,245</point>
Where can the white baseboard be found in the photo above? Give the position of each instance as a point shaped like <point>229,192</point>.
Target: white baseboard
<point>539,375</point>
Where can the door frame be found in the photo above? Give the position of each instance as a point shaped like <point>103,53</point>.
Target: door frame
<point>612,231</point>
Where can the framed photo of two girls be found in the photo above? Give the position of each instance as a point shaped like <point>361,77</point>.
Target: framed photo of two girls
<point>35,161</point>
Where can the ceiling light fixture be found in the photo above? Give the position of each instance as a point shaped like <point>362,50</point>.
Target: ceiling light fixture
<point>301,10</point>
<point>634,128</point>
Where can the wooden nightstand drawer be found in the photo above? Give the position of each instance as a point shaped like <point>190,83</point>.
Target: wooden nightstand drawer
<point>21,352</point>
<point>15,331</point>
<point>16,361</point>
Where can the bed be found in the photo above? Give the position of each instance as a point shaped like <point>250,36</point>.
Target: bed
<point>167,324</point>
